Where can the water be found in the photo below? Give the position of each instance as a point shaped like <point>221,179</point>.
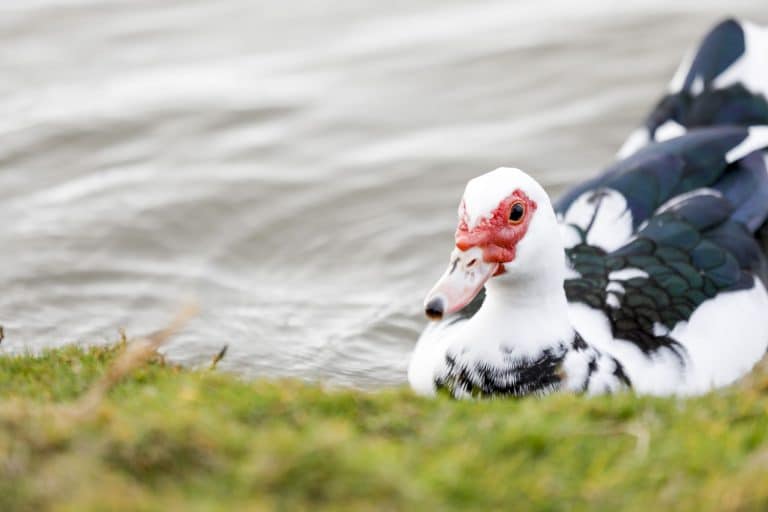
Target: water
<point>295,169</point>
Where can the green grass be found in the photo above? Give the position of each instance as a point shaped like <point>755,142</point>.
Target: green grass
<point>173,439</point>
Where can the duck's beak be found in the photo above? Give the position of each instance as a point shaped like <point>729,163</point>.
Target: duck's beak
<point>461,282</point>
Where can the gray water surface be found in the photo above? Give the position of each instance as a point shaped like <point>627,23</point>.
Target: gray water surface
<point>292,167</point>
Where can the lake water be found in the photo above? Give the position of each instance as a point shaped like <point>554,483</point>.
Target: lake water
<point>294,168</point>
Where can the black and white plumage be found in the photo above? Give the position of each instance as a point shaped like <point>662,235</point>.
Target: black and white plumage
<point>663,289</point>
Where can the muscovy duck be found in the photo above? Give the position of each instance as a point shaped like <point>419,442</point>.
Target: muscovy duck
<point>649,277</point>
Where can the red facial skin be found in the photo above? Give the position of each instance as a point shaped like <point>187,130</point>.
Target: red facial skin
<point>497,236</point>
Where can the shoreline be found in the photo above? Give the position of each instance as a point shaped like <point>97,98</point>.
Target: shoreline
<point>165,437</point>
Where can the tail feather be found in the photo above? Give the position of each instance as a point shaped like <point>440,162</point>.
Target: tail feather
<point>704,148</point>
<point>724,82</point>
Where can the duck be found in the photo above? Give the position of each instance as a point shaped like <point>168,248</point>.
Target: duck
<point>649,277</point>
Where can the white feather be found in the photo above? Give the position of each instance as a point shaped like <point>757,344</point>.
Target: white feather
<point>750,69</point>
<point>608,219</point>
<point>697,85</point>
<point>681,198</point>
<point>659,374</point>
<point>757,139</point>
<point>725,337</point>
<point>569,235</point>
<point>678,80</point>
<point>429,354</point>
<point>669,130</point>
<point>626,274</point>
<point>636,140</point>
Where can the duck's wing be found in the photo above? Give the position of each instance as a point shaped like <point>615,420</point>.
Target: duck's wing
<point>689,252</point>
<point>673,223</point>
<point>607,210</point>
<point>723,82</point>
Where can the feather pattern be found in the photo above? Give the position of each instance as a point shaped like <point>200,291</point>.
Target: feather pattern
<point>664,285</point>
<point>689,253</point>
<point>663,170</point>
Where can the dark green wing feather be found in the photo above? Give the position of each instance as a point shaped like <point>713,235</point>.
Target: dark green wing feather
<point>680,258</point>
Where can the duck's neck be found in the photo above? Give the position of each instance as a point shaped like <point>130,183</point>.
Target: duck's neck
<point>526,314</point>
<point>521,342</point>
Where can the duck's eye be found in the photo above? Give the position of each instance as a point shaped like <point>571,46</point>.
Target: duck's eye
<point>516,213</point>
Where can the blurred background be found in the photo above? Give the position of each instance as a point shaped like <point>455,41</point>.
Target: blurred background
<point>293,167</point>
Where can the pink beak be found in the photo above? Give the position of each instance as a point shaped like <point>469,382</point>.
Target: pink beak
<point>461,282</point>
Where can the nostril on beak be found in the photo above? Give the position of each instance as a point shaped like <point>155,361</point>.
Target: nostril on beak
<point>472,263</point>
<point>435,308</point>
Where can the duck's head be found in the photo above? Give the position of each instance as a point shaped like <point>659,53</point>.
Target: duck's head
<point>507,233</point>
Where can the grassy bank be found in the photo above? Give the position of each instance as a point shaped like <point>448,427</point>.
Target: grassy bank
<point>171,439</point>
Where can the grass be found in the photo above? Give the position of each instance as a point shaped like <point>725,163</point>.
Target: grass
<point>166,438</point>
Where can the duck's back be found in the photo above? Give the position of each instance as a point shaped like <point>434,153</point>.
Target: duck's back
<point>667,269</point>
